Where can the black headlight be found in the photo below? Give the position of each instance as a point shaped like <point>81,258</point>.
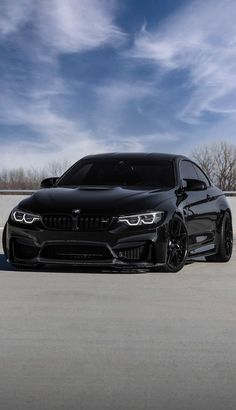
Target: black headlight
<point>148,218</point>
<point>24,217</point>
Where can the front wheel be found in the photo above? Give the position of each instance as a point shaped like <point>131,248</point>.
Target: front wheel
<point>177,246</point>
<point>225,242</point>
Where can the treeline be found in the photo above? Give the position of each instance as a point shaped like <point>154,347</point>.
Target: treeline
<point>20,178</point>
<point>218,160</point>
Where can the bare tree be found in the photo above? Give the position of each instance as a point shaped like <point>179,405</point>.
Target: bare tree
<point>218,160</point>
<point>57,168</point>
<point>19,178</point>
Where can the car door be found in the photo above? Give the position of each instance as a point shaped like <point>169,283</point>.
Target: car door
<point>198,210</point>
<point>211,207</point>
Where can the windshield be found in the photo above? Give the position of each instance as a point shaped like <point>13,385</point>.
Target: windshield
<point>116,172</point>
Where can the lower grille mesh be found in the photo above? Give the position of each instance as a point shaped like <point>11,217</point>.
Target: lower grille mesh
<point>76,252</point>
<point>132,254</point>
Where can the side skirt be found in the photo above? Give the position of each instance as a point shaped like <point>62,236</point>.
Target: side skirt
<point>202,251</point>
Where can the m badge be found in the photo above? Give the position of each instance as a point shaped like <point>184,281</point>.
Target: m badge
<point>76,212</point>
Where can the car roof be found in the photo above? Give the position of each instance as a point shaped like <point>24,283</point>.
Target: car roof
<point>137,155</point>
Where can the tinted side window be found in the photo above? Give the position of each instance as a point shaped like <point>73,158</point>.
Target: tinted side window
<point>201,175</point>
<point>187,170</point>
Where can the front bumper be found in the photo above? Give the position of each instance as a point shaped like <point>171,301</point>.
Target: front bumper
<point>121,247</point>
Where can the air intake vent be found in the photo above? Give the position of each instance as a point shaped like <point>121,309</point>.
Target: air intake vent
<point>132,254</point>
<point>76,252</point>
<point>24,251</point>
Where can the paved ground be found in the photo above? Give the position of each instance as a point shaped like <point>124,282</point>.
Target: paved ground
<point>112,341</point>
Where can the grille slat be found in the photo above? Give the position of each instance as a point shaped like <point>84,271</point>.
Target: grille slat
<point>59,222</point>
<point>93,223</point>
<point>84,223</point>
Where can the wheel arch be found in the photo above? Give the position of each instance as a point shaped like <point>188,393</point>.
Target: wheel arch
<point>4,240</point>
<point>179,214</point>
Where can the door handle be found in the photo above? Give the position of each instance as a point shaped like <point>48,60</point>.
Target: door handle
<point>209,197</point>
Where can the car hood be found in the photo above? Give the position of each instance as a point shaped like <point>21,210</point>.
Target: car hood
<point>109,200</point>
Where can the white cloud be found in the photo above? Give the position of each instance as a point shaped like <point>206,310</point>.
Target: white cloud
<point>14,14</point>
<point>59,139</point>
<point>39,154</point>
<point>76,26</point>
<point>33,99</point>
<point>200,38</point>
<point>119,92</point>
<point>62,26</point>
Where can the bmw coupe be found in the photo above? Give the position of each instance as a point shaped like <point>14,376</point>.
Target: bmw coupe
<point>122,210</point>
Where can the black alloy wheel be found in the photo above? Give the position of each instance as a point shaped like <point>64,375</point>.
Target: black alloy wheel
<point>226,241</point>
<point>177,247</point>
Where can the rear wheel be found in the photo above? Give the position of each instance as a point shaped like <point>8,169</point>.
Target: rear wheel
<point>226,241</point>
<point>177,246</point>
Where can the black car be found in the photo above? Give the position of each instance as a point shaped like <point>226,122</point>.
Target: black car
<point>119,210</point>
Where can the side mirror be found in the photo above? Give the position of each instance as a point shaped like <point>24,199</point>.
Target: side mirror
<point>48,182</point>
<point>194,185</point>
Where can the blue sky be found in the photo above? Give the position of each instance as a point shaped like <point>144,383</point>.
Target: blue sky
<point>88,76</point>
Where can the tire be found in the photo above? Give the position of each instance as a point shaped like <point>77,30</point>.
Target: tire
<point>226,241</point>
<point>177,246</point>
